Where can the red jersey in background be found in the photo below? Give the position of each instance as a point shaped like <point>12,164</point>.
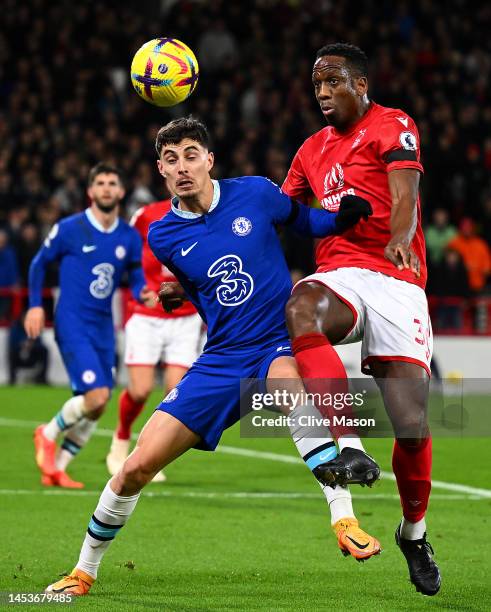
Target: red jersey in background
<point>331,164</point>
<point>154,272</point>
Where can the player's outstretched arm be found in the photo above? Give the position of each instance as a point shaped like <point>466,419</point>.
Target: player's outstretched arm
<point>35,319</point>
<point>320,223</point>
<point>403,185</point>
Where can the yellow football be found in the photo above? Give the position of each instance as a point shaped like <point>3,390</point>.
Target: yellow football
<point>164,71</point>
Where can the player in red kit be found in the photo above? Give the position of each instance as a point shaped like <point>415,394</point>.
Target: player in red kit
<point>152,337</point>
<point>369,283</point>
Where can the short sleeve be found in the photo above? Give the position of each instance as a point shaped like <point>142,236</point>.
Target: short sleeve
<point>135,253</point>
<point>138,221</point>
<point>398,142</point>
<point>296,184</point>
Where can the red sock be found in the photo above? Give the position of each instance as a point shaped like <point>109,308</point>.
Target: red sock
<point>323,373</point>
<point>412,468</point>
<point>128,413</point>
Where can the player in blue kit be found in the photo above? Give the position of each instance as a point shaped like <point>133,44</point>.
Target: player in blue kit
<point>220,240</point>
<point>94,249</point>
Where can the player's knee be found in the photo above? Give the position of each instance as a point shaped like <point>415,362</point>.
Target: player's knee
<point>134,475</point>
<point>411,430</point>
<point>96,401</point>
<point>140,393</point>
<point>301,314</point>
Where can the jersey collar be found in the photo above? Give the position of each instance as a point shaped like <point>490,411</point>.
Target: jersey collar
<point>187,214</point>
<point>93,221</point>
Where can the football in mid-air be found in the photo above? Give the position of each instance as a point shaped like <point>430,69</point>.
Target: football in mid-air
<point>164,71</point>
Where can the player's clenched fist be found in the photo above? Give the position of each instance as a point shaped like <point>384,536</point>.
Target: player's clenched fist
<point>171,295</point>
<point>351,209</point>
<point>34,321</point>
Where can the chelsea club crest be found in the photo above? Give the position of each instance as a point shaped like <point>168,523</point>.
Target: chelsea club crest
<point>241,226</point>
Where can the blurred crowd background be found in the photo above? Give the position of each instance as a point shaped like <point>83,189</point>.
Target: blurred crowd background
<point>66,103</point>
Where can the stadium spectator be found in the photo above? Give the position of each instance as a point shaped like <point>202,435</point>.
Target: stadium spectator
<point>26,353</point>
<point>486,220</point>
<point>217,47</point>
<point>28,243</point>
<point>9,273</point>
<point>450,282</point>
<point>56,122</point>
<point>438,235</point>
<point>474,252</point>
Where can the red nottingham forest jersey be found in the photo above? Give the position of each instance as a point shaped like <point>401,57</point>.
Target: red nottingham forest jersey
<point>155,273</point>
<point>331,164</point>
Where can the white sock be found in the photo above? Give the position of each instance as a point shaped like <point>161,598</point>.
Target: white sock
<point>71,412</point>
<point>74,441</point>
<point>111,514</point>
<point>413,531</point>
<point>317,450</point>
<point>350,441</point>
<point>313,441</point>
<point>339,500</point>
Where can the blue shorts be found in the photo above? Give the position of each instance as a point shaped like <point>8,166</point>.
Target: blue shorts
<point>88,366</point>
<point>207,400</point>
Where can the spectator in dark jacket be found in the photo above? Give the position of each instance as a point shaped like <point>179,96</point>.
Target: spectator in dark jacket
<point>9,273</point>
<point>450,282</point>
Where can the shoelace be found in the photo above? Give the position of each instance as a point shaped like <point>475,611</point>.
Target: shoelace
<point>428,547</point>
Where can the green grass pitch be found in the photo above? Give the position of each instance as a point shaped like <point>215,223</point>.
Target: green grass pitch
<point>231,531</point>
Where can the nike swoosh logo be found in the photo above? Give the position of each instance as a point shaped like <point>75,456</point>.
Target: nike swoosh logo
<point>68,586</point>
<point>362,546</point>
<point>87,248</point>
<point>184,252</point>
<point>323,457</point>
<point>403,120</point>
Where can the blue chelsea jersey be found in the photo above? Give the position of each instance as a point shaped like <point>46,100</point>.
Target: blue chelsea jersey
<point>92,262</point>
<point>230,261</point>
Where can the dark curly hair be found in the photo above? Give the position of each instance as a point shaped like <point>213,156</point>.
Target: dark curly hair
<point>178,129</point>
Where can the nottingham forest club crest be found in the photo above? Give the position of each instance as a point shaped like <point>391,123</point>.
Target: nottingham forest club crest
<point>334,179</point>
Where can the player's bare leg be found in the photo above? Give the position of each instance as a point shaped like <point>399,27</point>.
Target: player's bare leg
<point>317,318</point>
<point>163,439</point>
<point>131,403</point>
<point>315,445</point>
<point>77,419</point>
<point>173,375</point>
<point>141,380</point>
<point>404,387</point>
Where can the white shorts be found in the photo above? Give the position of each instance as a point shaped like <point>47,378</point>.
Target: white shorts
<point>153,340</point>
<point>390,315</point>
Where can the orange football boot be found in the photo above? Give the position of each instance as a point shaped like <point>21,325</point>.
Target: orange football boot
<point>45,452</point>
<point>77,583</point>
<point>354,541</point>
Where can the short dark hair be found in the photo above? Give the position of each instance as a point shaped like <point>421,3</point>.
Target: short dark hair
<point>355,57</point>
<point>178,129</point>
<point>104,168</point>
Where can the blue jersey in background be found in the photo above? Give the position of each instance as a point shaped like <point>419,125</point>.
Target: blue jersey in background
<point>92,262</point>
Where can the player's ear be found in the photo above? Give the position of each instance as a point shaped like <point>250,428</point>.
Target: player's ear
<point>89,193</point>
<point>160,166</point>
<point>210,161</point>
<point>361,85</point>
